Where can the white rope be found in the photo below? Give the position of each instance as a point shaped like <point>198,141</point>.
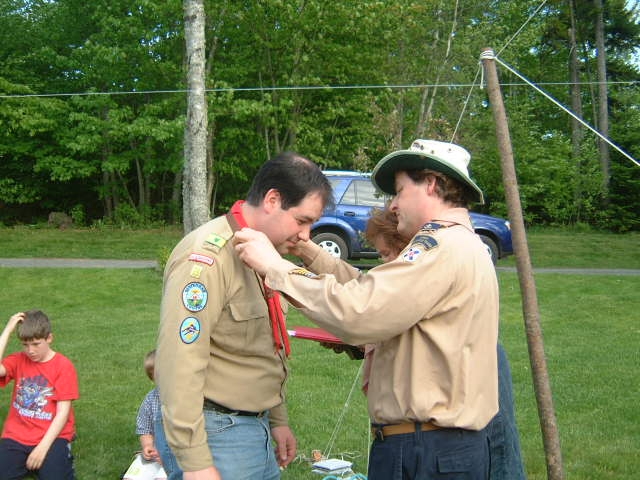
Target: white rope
<point>302,87</point>
<point>466,102</point>
<point>488,54</point>
<point>481,70</point>
<point>522,27</point>
<point>334,434</point>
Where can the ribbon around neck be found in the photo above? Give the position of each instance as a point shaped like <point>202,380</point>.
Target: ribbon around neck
<point>272,297</point>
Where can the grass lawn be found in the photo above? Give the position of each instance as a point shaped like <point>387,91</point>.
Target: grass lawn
<point>106,320</point>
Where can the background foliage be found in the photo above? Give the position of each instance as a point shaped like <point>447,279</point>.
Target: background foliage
<point>92,100</point>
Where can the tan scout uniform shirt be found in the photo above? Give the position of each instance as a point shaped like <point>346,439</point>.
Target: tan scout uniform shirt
<point>433,314</point>
<point>216,345</point>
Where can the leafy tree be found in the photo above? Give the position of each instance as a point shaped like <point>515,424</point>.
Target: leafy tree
<point>342,82</point>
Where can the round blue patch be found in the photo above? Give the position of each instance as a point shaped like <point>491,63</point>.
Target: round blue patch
<point>194,297</point>
<point>189,330</point>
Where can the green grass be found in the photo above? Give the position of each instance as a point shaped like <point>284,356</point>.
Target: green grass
<point>103,243</point>
<point>547,247</point>
<point>106,320</point>
<point>591,335</point>
<point>576,249</point>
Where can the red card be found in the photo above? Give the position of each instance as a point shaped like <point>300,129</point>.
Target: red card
<point>314,333</point>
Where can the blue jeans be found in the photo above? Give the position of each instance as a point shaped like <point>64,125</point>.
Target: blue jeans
<point>451,454</point>
<point>504,440</point>
<point>169,462</point>
<point>57,465</point>
<point>241,446</point>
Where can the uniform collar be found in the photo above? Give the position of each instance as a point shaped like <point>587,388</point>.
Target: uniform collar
<point>451,216</point>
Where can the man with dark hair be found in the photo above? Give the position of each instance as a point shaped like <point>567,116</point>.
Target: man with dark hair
<point>432,314</point>
<point>221,360</point>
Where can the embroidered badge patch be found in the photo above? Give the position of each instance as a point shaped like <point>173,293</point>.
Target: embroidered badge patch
<point>217,240</point>
<point>189,330</point>
<point>196,257</point>
<point>430,227</point>
<point>196,271</point>
<point>302,271</point>
<point>194,296</point>
<point>427,241</point>
<point>412,254</point>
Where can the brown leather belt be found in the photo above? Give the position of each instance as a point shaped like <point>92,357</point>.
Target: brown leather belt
<point>211,405</point>
<point>381,431</point>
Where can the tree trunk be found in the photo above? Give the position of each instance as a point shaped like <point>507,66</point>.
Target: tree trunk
<point>531,311</point>
<point>577,132</point>
<point>175,197</point>
<point>603,98</point>
<point>140,180</point>
<point>194,192</point>
<point>107,178</point>
<point>212,178</point>
<point>399,116</point>
<point>425,111</point>
<point>107,200</point>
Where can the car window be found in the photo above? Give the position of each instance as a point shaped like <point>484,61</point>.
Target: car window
<point>335,183</point>
<point>362,192</point>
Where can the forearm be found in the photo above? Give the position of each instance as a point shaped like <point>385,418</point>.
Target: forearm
<point>6,335</point>
<point>278,416</point>
<point>8,330</point>
<point>4,340</point>
<point>57,424</point>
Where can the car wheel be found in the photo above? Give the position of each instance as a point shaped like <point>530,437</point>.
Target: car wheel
<point>332,243</point>
<point>492,248</point>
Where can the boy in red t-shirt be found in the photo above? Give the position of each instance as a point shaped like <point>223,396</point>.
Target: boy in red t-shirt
<point>40,426</point>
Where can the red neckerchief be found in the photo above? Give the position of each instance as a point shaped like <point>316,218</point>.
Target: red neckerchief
<point>278,325</point>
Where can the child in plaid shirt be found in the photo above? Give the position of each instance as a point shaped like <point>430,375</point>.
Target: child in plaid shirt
<point>149,427</point>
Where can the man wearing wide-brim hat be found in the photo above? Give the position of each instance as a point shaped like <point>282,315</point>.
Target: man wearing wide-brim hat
<point>432,313</point>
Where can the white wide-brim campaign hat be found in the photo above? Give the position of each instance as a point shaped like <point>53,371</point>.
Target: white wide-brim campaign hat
<point>444,157</point>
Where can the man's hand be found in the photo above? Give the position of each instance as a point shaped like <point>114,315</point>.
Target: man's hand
<point>285,445</point>
<point>353,351</point>
<point>255,249</point>
<point>304,249</point>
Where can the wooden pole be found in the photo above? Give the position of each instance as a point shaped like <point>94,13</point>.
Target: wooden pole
<point>531,313</point>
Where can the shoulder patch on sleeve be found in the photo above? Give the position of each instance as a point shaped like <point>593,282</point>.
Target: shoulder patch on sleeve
<point>302,271</point>
<point>196,271</point>
<point>194,296</point>
<point>430,227</point>
<point>425,241</point>
<point>197,257</point>
<point>412,254</point>
<point>189,330</point>
<point>215,242</point>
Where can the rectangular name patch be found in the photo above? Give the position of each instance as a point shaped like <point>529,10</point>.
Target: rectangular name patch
<point>196,257</point>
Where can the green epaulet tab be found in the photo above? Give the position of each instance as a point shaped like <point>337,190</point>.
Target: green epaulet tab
<point>215,241</point>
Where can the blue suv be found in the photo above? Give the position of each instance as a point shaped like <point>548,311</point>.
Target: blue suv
<point>341,231</point>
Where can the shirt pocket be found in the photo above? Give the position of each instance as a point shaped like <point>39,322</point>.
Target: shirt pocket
<point>245,329</point>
